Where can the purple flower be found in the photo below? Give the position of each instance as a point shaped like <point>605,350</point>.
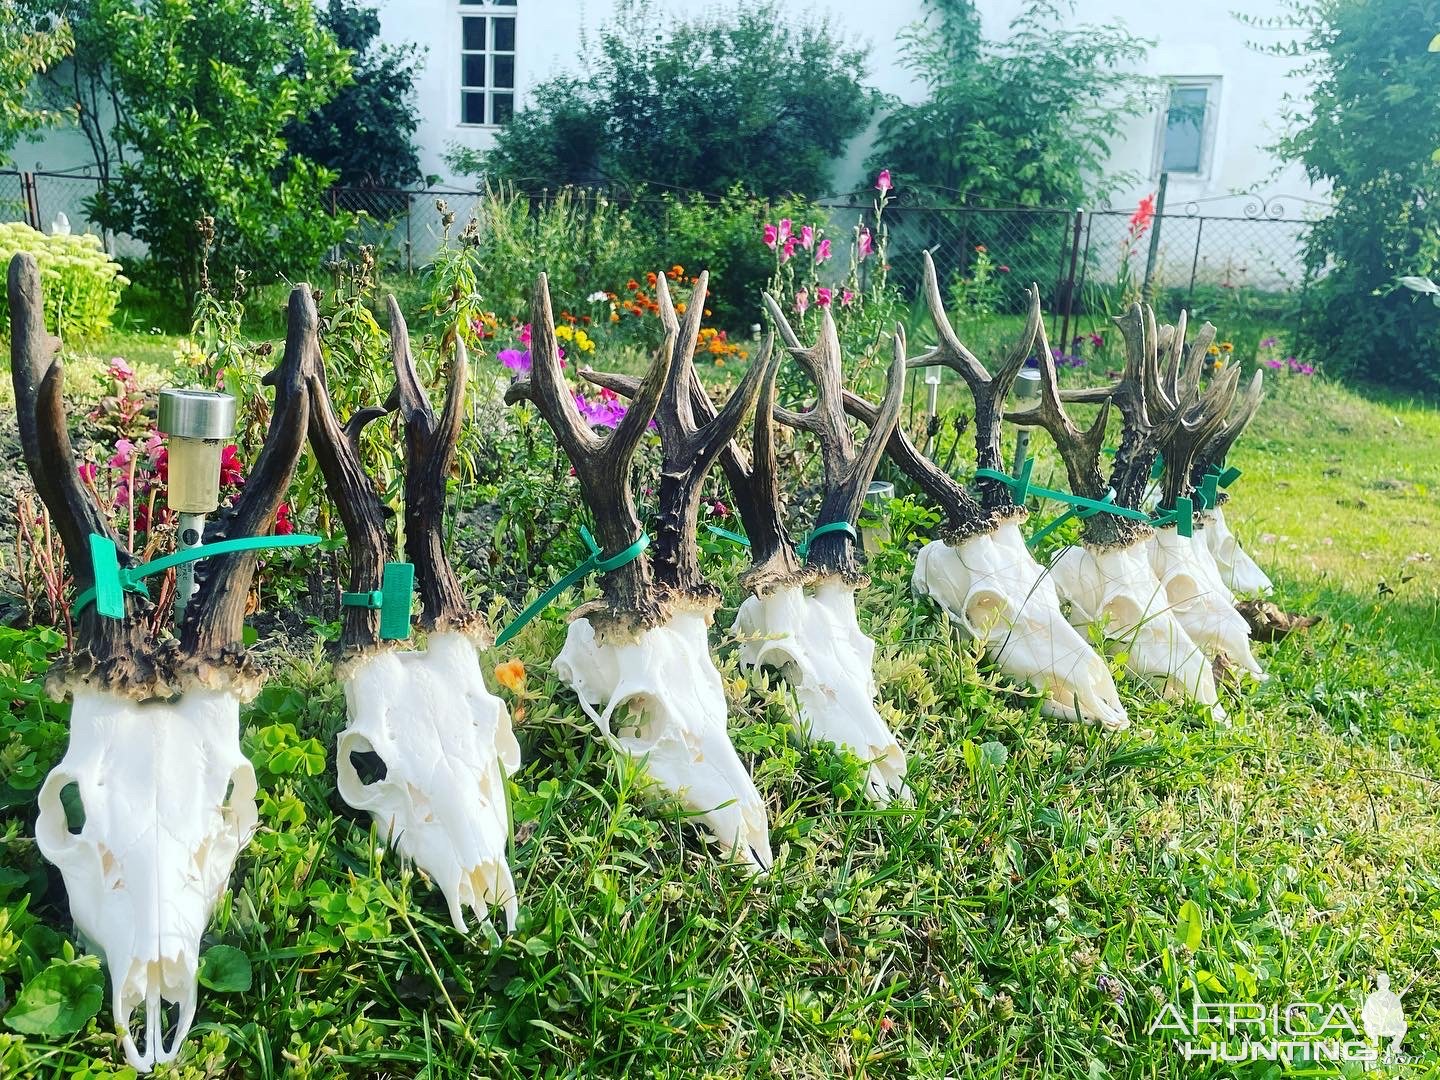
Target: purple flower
<point>1269,343</point>
<point>604,411</point>
<point>517,360</point>
<point>1273,364</point>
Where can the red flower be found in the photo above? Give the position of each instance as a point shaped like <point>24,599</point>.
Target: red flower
<point>1143,216</point>
<point>232,472</point>
<point>283,525</point>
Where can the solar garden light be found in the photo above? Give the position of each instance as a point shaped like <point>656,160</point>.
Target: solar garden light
<point>199,423</point>
<point>875,514</point>
<point>1027,390</point>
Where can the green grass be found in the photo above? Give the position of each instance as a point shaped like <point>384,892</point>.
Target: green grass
<point>1026,917</point>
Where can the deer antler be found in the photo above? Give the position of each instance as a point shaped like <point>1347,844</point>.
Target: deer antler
<point>689,451</point>
<point>988,391</point>
<point>1199,422</point>
<point>1215,449</point>
<point>429,453</point>
<point>116,652</point>
<point>847,470</point>
<point>337,451</point>
<point>602,464</point>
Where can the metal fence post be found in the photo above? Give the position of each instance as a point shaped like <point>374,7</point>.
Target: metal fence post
<point>1070,281</point>
<point>1154,251</point>
<point>31,195</point>
<point>409,241</point>
<point>1195,262</point>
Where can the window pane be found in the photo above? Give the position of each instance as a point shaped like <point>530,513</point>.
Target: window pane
<point>474,35</point>
<point>472,108</point>
<point>473,73</point>
<point>505,72</point>
<point>1184,129</point>
<point>502,107</point>
<point>503,3</point>
<point>504,34</point>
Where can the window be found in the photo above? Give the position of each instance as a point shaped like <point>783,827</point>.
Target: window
<point>1187,131</point>
<point>487,61</point>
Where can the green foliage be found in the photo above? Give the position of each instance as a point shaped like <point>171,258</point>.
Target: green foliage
<point>60,1000</point>
<point>751,97</point>
<point>1023,121</point>
<point>30,43</point>
<point>1371,132</point>
<point>81,282</point>
<point>365,134</point>
<point>205,92</point>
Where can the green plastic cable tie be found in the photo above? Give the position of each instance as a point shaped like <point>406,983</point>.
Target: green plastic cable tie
<point>1225,477</point>
<point>803,548</point>
<point>726,534</point>
<point>392,600</point>
<point>592,564</point>
<point>112,580</point>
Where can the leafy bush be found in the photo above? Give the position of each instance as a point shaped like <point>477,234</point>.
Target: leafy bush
<point>81,282</point>
<point>781,97</point>
<point>1370,130</point>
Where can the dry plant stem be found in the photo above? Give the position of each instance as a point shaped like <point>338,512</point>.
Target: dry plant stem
<point>688,448</point>
<point>602,466</point>
<point>848,470</point>
<point>430,443</point>
<point>988,391</point>
<point>337,452</point>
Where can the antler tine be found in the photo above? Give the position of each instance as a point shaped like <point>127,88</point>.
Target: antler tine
<point>1080,450</point>
<point>39,379</point>
<point>337,453</point>
<point>1195,361</point>
<point>1215,450</point>
<point>949,351</point>
<point>215,619</point>
<point>822,363</point>
<point>844,494</point>
<point>430,444</point>
<point>546,386</point>
<point>681,338</point>
<point>1175,347</point>
<point>1198,424</point>
<point>963,513</point>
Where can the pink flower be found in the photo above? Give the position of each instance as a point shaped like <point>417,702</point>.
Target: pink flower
<point>771,236</point>
<point>120,370</point>
<point>88,471</point>
<point>788,250</point>
<point>232,472</point>
<point>867,243</point>
<point>525,334</point>
<point>846,297</point>
<point>882,182</point>
<point>807,236</point>
<point>784,233</point>
<point>604,411</point>
<point>822,253</point>
<point>153,445</point>
<point>1272,363</point>
<point>822,296</point>
<point>124,450</point>
<point>283,525</point>
<point>719,509</point>
<point>802,301</point>
<point>1003,269</point>
<point>517,360</point>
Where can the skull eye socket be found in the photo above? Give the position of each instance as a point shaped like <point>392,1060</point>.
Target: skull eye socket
<point>369,766</point>
<point>74,806</point>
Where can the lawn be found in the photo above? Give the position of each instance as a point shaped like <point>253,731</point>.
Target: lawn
<point>1049,891</point>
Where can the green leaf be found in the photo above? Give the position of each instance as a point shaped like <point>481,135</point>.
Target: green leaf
<point>1190,925</point>
<point>60,1000</point>
<point>225,968</point>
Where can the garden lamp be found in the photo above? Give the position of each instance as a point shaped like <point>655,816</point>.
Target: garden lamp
<point>932,407</point>
<point>199,423</point>
<point>1027,389</point>
<point>874,514</point>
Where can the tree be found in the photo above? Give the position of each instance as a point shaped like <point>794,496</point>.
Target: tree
<point>366,132</point>
<point>202,93</point>
<point>1371,130</point>
<point>1026,121</point>
<point>748,97</point>
<point>30,43</point>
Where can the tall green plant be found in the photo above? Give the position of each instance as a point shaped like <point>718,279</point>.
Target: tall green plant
<point>29,45</point>
<point>203,92</point>
<point>1372,132</point>
<point>1022,121</point>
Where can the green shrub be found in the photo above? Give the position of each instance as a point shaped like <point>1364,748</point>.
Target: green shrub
<point>81,282</point>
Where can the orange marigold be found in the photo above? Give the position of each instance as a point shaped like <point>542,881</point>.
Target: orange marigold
<point>511,675</point>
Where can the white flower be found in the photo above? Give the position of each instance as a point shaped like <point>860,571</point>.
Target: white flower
<point>597,296</point>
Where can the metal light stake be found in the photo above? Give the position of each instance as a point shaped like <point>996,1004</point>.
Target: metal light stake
<point>199,423</point>
<point>1027,389</point>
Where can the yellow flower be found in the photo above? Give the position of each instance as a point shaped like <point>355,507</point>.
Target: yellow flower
<point>564,332</point>
<point>1213,350</point>
<point>511,675</point>
<point>1227,346</point>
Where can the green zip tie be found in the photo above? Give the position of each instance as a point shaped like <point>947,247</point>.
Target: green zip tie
<point>1019,485</point>
<point>592,565</point>
<point>1083,508</point>
<point>1183,517</point>
<point>1224,478</point>
<point>803,548</point>
<point>113,581</point>
<point>726,534</point>
<point>1206,495</point>
<point>392,600</point>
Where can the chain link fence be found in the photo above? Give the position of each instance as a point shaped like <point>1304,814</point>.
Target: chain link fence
<point>1083,261</point>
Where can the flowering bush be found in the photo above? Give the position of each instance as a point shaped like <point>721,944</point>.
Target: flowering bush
<point>81,282</point>
<point>980,293</point>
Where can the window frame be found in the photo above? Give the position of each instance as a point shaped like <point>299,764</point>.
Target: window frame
<point>486,10</point>
<point>1212,85</point>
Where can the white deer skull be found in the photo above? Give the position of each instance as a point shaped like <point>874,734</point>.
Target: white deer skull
<point>1238,570</point>
<point>169,801</point>
<point>816,641</point>
<point>1116,588</point>
<point>447,746</point>
<point>668,680</point>
<point>995,591</point>
<point>1200,600</point>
